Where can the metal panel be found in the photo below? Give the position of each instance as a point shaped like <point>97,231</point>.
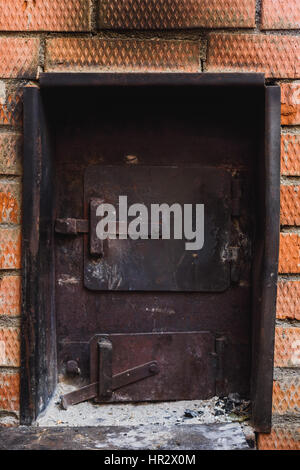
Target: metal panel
<point>65,79</point>
<point>161,264</point>
<point>38,338</point>
<point>196,310</point>
<point>185,360</point>
<point>266,267</point>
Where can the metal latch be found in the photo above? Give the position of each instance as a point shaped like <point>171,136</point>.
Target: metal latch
<point>71,226</point>
<point>107,383</point>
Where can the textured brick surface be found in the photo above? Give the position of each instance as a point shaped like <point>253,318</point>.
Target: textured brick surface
<point>118,55</point>
<point>275,55</point>
<point>280,14</point>
<point>10,296</point>
<point>290,102</point>
<point>9,347</point>
<point>281,438</point>
<point>289,253</point>
<point>9,391</point>
<point>11,105</point>
<point>10,154</point>
<point>290,155</point>
<point>288,300</point>
<point>44,15</point>
<point>19,57</point>
<point>290,204</point>
<point>169,14</point>
<point>287,347</point>
<point>10,248</point>
<point>10,202</point>
<point>286,396</point>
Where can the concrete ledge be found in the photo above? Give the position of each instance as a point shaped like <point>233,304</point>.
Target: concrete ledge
<point>181,437</point>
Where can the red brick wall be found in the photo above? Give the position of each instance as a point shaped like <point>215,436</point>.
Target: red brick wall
<point>154,35</point>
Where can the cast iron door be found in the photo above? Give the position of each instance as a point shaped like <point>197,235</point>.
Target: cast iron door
<point>145,318</point>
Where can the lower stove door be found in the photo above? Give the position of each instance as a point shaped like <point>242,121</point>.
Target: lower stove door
<point>184,366</point>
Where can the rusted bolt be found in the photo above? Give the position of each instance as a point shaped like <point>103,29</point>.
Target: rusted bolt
<point>72,368</point>
<point>153,368</point>
<point>133,159</point>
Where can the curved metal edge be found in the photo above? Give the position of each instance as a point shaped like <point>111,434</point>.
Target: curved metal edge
<point>265,278</point>
<point>86,79</point>
<point>38,354</point>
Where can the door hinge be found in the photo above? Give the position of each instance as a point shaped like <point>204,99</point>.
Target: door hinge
<point>71,226</point>
<point>107,383</point>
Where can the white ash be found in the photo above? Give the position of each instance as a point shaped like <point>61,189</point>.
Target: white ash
<point>138,414</point>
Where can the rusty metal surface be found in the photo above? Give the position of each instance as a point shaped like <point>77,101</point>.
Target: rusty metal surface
<point>185,361</point>
<point>265,266</point>
<point>88,79</point>
<point>38,329</point>
<point>103,389</point>
<point>176,14</point>
<point>162,264</point>
<point>184,132</point>
<point>218,127</point>
<point>71,226</point>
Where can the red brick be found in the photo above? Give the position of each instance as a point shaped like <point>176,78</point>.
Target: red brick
<point>286,396</point>
<point>289,204</point>
<point>10,202</point>
<point>290,154</point>
<point>11,104</point>
<point>280,14</point>
<point>170,14</point>
<point>44,15</point>
<point>290,103</point>
<point>10,154</point>
<point>19,57</point>
<point>288,300</point>
<point>275,55</point>
<point>119,55</point>
<point>283,437</point>
<point>289,253</point>
<point>9,391</point>
<point>10,296</point>
<point>9,347</point>
<point>287,347</point>
<point>10,248</point>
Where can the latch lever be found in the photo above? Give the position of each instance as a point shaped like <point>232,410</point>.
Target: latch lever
<point>119,380</point>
